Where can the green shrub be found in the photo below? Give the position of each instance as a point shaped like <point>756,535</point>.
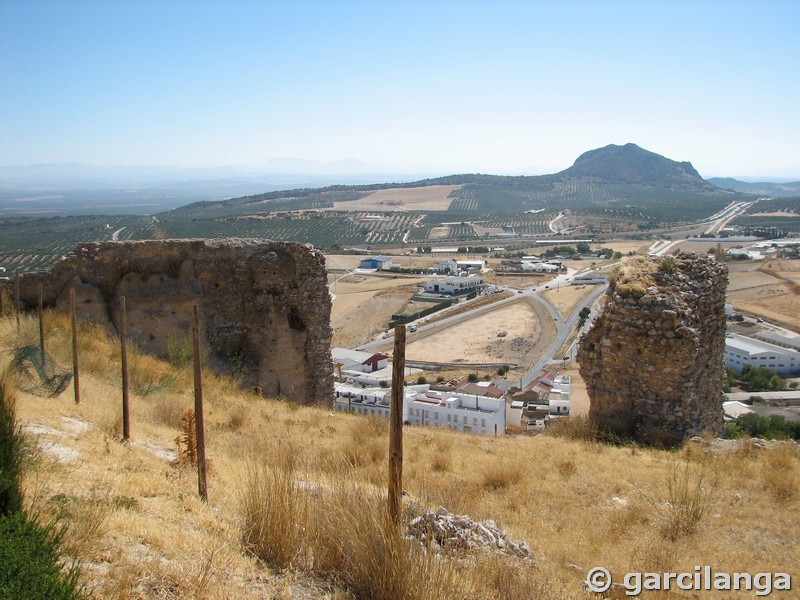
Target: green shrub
<point>774,427</point>
<point>29,561</point>
<point>11,453</point>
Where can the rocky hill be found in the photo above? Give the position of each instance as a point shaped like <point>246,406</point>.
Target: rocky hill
<point>625,177</point>
<point>632,164</point>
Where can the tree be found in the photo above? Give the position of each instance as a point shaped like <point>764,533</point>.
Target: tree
<point>584,314</point>
<point>583,248</point>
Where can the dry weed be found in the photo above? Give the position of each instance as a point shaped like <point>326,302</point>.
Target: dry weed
<point>687,501</point>
<point>502,476</point>
<point>780,473</point>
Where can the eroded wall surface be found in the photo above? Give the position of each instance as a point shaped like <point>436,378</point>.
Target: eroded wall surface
<point>264,306</point>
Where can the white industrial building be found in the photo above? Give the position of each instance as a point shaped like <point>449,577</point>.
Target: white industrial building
<point>423,406</point>
<point>454,285</point>
<point>741,350</point>
<point>539,267</point>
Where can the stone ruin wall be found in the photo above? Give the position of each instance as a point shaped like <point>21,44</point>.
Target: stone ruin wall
<point>264,306</point>
<point>653,362</point>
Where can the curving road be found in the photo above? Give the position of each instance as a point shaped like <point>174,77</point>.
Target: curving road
<point>563,325</point>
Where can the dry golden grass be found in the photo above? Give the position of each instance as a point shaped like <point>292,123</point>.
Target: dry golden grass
<point>140,530</point>
<point>634,275</point>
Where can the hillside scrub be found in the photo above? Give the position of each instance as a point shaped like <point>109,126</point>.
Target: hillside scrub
<point>30,552</point>
<point>140,530</point>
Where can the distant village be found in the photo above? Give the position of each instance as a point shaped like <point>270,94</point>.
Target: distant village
<point>495,406</point>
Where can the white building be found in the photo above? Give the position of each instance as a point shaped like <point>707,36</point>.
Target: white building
<point>471,265</point>
<point>741,350</point>
<point>734,409</point>
<point>362,400</point>
<point>539,267</point>
<point>448,267</point>
<point>457,411</point>
<point>422,406</point>
<point>454,285</point>
<point>785,341</point>
<point>358,361</point>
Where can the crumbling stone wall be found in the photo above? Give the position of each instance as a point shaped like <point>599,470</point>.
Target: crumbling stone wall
<point>264,306</point>
<point>653,362</point>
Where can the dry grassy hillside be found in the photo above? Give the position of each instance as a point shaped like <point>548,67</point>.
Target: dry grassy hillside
<point>302,488</point>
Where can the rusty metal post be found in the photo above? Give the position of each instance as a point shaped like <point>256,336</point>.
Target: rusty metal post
<point>396,427</point>
<point>16,298</point>
<point>76,377</point>
<point>39,312</point>
<point>198,408</point>
<point>126,417</point>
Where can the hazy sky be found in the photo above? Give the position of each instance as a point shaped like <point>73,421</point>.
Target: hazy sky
<point>434,86</point>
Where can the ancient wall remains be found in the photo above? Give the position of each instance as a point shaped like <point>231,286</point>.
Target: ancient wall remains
<point>653,362</point>
<point>264,306</point>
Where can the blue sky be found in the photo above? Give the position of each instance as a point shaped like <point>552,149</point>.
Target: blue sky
<point>435,87</point>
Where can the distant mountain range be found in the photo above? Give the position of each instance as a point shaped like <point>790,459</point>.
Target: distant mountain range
<point>619,179</point>
<point>80,189</point>
<point>623,178</point>
<point>762,188</point>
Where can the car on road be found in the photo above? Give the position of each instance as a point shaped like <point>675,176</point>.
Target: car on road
<point>413,328</point>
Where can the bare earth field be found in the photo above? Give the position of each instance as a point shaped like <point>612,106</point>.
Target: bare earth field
<point>520,281</point>
<point>769,289</point>
<point>364,304</point>
<point>434,197</point>
<point>566,298</point>
<point>477,341</point>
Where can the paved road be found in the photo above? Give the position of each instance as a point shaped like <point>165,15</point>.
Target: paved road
<point>564,329</point>
<point>564,326</point>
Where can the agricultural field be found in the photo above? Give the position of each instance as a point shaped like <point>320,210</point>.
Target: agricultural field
<point>780,213</point>
<point>27,244</point>
<point>770,289</point>
<point>429,198</point>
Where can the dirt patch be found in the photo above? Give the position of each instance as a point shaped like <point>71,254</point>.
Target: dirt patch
<point>750,279</point>
<point>566,298</point>
<point>506,335</point>
<point>363,306</point>
<point>437,233</point>
<point>343,261</point>
<point>433,197</point>
<point>521,281</point>
<point>770,289</point>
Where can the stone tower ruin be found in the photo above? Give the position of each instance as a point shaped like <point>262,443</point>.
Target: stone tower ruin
<point>653,362</point>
